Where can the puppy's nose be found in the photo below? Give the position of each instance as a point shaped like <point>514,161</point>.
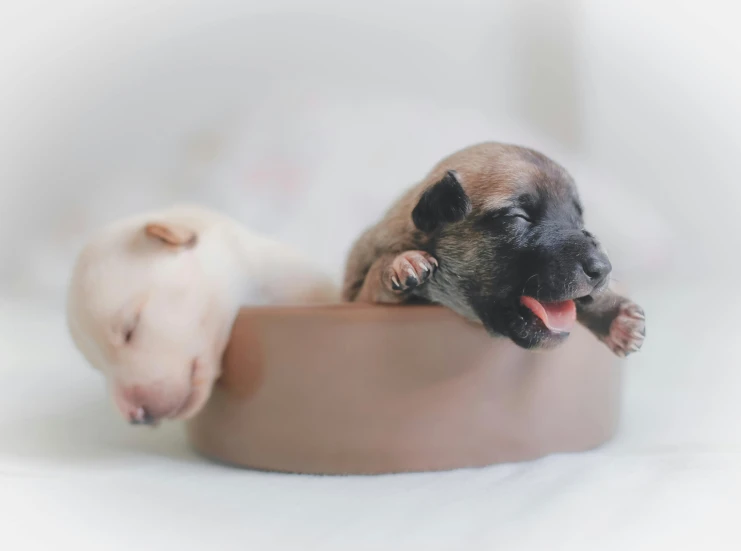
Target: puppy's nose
<point>140,405</point>
<point>141,416</point>
<point>597,267</point>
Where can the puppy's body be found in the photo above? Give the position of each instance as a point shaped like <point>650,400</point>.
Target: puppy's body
<point>495,232</point>
<point>153,297</point>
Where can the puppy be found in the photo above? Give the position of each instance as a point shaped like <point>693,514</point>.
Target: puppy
<point>153,297</point>
<point>495,232</point>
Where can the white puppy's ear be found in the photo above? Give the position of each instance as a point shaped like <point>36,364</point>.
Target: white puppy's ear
<point>172,234</point>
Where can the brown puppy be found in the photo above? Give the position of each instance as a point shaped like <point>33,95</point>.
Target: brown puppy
<point>495,232</point>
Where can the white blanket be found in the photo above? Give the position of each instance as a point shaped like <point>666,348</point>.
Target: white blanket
<point>71,472</point>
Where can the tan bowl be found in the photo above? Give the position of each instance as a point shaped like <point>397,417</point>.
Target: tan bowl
<point>362,389</point>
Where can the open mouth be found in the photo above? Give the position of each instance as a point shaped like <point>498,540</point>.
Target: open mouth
<point>557,317</point>
<point>533,323</point>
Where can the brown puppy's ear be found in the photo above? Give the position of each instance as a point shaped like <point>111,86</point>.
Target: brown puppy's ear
<point>171,234</point>
<point>442,203</point>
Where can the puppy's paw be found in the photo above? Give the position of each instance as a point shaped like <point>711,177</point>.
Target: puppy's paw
<point>409,270</point>
<point>627,330</point>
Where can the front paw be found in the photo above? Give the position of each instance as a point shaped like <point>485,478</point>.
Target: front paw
<point>409,270</point>
<point>627,330</point>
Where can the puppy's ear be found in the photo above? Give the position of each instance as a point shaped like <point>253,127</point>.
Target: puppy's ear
<point>442,203</point>
<point>172,234</point>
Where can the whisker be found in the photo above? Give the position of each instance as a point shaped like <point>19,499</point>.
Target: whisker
<point>526,282</point>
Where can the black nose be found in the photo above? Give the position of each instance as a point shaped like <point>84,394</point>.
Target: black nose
<point>597,267</point>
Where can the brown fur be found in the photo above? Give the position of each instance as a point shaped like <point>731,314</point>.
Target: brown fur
<point>394,256</point>
<point>490,173</point>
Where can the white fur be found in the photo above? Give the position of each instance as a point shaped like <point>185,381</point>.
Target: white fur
<point>185,300</point>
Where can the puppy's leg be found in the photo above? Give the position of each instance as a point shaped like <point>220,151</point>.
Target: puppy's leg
<point>392,277</point>
<point>617,321</point>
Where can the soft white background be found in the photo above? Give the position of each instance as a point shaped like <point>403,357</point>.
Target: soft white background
<point>304,120</point>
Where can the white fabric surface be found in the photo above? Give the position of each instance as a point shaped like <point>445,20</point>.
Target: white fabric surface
<point>119,106</point>
<point>71,472</point>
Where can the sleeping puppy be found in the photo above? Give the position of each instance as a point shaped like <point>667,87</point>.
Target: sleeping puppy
<point>153,297</point>
<point>495,232</point>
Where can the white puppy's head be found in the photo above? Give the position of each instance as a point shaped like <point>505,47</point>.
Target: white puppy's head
<point>143,311</point>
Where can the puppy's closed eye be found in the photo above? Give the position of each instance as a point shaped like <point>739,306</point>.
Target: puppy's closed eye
<point>522,215</point>
<point>125,322</point>
<point>130,327</point>
<point>496,217</point>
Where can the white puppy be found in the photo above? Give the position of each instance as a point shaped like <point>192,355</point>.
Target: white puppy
<point>153,297</point>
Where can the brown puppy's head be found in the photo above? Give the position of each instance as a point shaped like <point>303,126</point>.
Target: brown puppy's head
<point>505,224</point>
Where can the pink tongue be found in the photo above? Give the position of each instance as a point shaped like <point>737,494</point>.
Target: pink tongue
<point>556,316</point>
